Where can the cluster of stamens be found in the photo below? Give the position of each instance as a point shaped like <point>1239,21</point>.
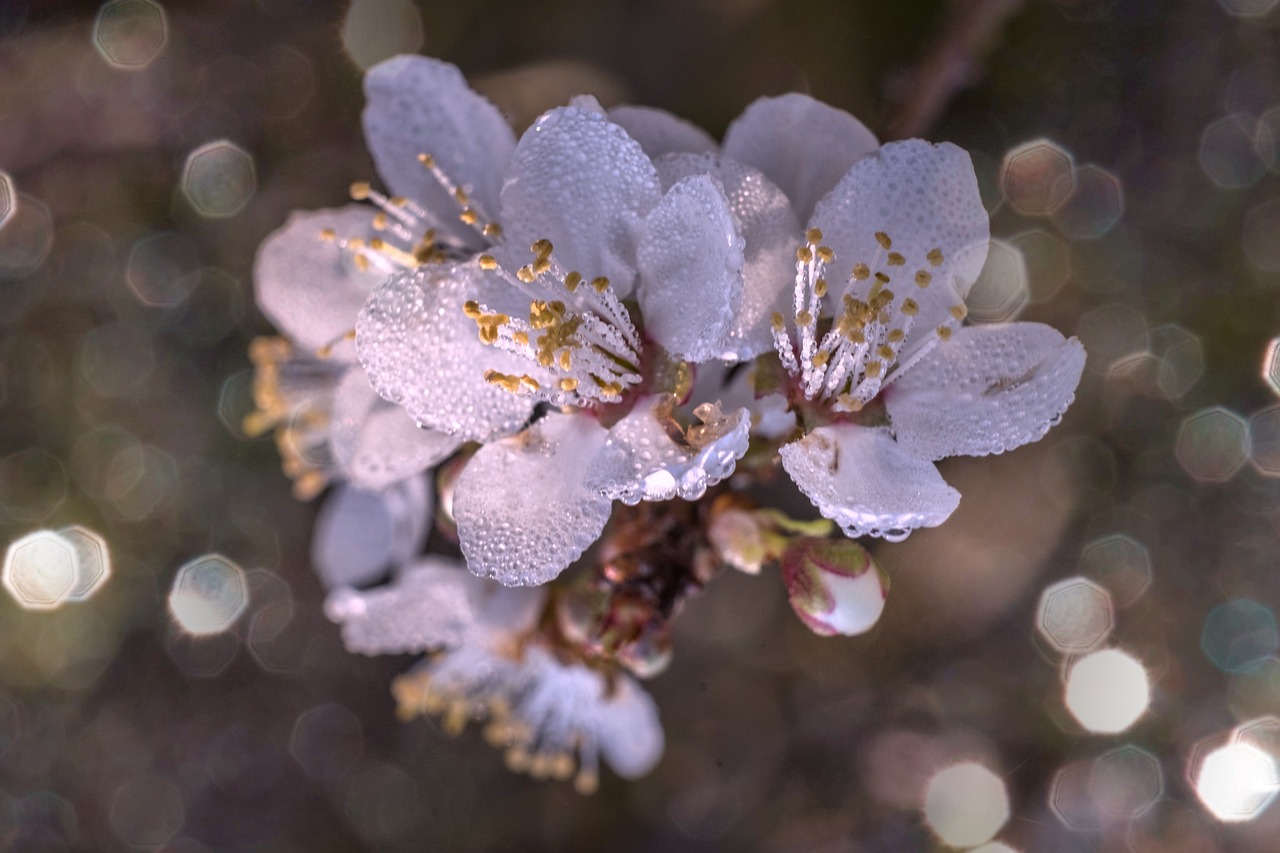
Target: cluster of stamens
<point>848,365</point>
<point>578,333</point>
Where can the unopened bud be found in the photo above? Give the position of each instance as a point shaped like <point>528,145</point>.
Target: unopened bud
<point>834,584</point>
<point>738,539</point>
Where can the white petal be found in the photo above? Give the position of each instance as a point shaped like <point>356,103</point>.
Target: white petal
<point>659,132</point>
<point>578,180</point>
<point>641,462</point>
<point>421,352</point>
<point>308,288</point>
<point>377,443</point>
<point>690,263</point>
<point>523,509</point>
<point>771,232</point>
<point>631,737</point>
<point>923,197</point>
<point>771,417</point>
<point>861,479</point>
<point>803,145</point>
<point>416,105</point>
<point>986,390</point>
<point>430,605</point>
<point>359,533</point>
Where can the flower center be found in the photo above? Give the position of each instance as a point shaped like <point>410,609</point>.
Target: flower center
<point>579,338</point>
<point>862,351</point>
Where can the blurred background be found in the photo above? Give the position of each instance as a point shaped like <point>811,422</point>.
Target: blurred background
<point>1095,626</point>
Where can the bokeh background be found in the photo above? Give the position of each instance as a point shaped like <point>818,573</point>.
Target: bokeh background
<point>1129,151</point>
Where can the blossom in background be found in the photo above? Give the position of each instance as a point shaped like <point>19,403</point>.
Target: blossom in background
<point>581,223</point>
<point>487,662</point>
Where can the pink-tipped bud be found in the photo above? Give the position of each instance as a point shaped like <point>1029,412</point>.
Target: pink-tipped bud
<point>834,585</point>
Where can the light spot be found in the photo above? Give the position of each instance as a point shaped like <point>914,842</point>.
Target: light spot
<point>1125,784</point>
<point>327,741</point>
<point>1047,260</point>
<point>375,30</point>
<point>1239,636</point>
<point>1181,359</point>
<point>1075,615</point>
<point>93,561</point>
<point>208,595</point>
<point>1037,177</point>
<point>8,198</point>
<point>1001,292</point>
<point>1094,206</point>
<point>219,179</point>
<point>1213,444</point>
<point>27,237</point>
<point>1228,156</point>
<point>1107,691</point>
<point>1260,235</point>
<point>1120,563</point>
<point>40,570</point>
<point>162,268</point>
<point>966,804</point>
<point>1237,782</point>
<point>147,811</point>
<point>1247,8</point>
<point>130,34</point>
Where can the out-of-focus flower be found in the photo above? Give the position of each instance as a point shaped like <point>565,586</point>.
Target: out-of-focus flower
<point>834,585</point>
<point>489,662</point>
<point>583,197</point>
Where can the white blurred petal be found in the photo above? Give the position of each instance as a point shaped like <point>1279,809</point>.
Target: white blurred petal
<point>770,415</point>
<point>690,262</point>
<point>771,232</point>
<point>310,289</point>
<point>659,132</point>
<point>421,352</point>
<point>377,443</point>
<point>523,508</point>
<point>641,462</point>
<point>359,534</point>
<point>578,180</point>
<point>417,105</point>
<point>923,197</point>
<point>803,145</point>
<point>986,390</point>
<point>861,479</point>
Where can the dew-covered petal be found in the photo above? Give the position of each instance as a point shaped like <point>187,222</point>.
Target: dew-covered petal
<point>690,262</point>
<point>802,144</point>
<point>986,390</point>
<point>861,479</point>
<point>377,443</point>
<point>924,197</point>
<point>640,461</point>
<point>430,605</point>
<point>417,105</point>
<point>308,288</point>
<point>523,508</point>
<point>421,352</point>
<point>631,737</point>
<point>659,132</point>
<point>360,533</point>
<point>771,232</point>
<point>578,180</point>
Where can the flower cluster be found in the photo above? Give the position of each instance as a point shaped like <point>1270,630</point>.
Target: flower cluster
<point>597,334</point>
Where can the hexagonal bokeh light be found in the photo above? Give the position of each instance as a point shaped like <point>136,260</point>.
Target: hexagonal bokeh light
<point>966,804</point>
<point>1047,259</point>
<point>1237,782</point>
<point>1258,236</point>
<point>219,179</point>
<point>375,30</point>
<point>1271,366</point>
<point>1264,441</point>
<point>93,561</point>
<point>1248,8</point>
<point>1181,359</point>
<point>1074,615</point>
<point>1120,563</point>
<point>1094,206</point>
<point>40,570</point>
<point>1037,177</point>
<point>1001,292</point>
<point>1228,156</point>
<point>1125,783</point>
<point>8,198</point>
<point>1107,691</point>
<point>1213,444</point>
<point>1240,635</point>
<point>130,34</point>
<point>208,595</point>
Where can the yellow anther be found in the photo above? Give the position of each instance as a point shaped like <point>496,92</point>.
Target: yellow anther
<point>491,229</point>
<point>882,278</point>
<point>525,274</point>
<point>399,201</point>
<point>804,318</point>
<point>468,215</point>
<point>471,308</point>
<point>959,312</point>
<point>600,284</point>
<point>521,338</point>
<point>568,384</point>
<point>360,190</point>
<point>923,277</point>
<point>896,260</point>
<point>910,307</point>
<point>572,280</point>
<point>328,235</point>
<point>377,244</point>
<point>814,236</point>
<point>380,222</point>
<point>821,359</point>
<point>777,321</point>
<point>529,382</point>
<point>362,263</point>
<point>427,160</point>
<point>488,262</point>
<point>849,403</point>
<point>861,272</point>
<point>935,257</point>
<point>884,351</point>
<point>884,241</point>
<point>542,248</point>
<point>873,369</point>
<point>503,381</point>
<point>856,336</point>
<point>804,254</point>
<point>895,336</point>
<point>820,288</point>
<point>565,360</point>
<point>541,266</point>
<point>460,196</point>
<point>944,333</point>
<point>826,254</point>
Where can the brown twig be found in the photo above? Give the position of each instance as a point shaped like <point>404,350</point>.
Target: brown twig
<point>921,92</point>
